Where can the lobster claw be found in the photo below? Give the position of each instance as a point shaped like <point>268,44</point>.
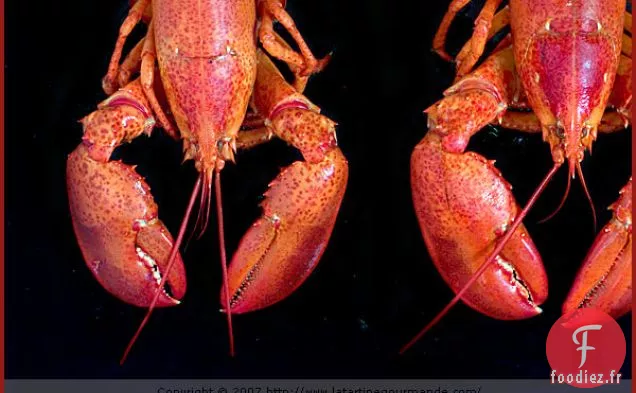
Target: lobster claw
<point>605,278</point>
<point>282,248</point>
<point>463,206</point>
<point>123,242</point>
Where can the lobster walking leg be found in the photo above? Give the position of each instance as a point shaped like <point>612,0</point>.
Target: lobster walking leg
<point>134,16</point>
<point>439,41</point>
<point>521,121</point>
<point>499,21</point>
<point>621,96</point>
<point>300,80</point>
<point>131,64</point>
<point>148,59</point>
<point>306,62</point>
<point>248,139</point>
<point>627,45</point>
<point>283,247</point>
<point>482,27</point>
<point>464,205</point>
<point>114,216</point>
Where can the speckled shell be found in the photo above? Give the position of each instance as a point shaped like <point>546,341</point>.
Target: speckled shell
<point>567,54</point>
<point>206,51</point>
<point>114,216</point>
<point>463,206</point>
<point>283,247</point>
<point>605,278</point>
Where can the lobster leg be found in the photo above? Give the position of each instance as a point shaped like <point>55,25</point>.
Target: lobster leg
<point>283,247</point>
<point>605,279</point>
<point>439,41</point>
<point>135,14</point>
<point>482,27</point>
<point>627,45</point>
<point>611,122</point>
<point>521,121</point>
<point>148,59</point>
<point>300,80</point>
<point>114,216</point>
<point>464,205</point>
<point>499,21</point>
<point>306,62</point>
<point>131,64</point>
<point>249,139</point>
<point>621,96</point>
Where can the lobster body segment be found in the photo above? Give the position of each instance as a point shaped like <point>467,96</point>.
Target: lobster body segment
<point>567,55</point>
<point>206,52</point>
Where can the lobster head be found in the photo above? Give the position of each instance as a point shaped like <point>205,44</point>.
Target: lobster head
<point>567,58</point>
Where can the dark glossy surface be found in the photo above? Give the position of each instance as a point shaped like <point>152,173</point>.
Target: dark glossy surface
<point>375,286</point>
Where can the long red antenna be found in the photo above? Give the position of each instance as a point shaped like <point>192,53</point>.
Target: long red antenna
<point>565,196</point>
<point>171,261</point>
<point>493,255</point>
<point>226,284</point>
<point>587,193</point>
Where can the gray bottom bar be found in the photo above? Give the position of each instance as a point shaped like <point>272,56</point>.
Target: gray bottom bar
<point>299,386</point>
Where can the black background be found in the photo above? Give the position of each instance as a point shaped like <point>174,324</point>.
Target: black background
<point>375,286</point>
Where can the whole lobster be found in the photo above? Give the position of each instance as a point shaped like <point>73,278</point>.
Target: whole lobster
<point>224,94</point>
<point>563,70</point>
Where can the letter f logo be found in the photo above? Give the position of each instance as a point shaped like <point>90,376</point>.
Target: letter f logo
<point>584,347</point>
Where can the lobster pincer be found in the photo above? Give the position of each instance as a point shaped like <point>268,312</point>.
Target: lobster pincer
<point>124,244</point>
<point>283,247</point>
<point>605,278</point>
<point>465,206</point>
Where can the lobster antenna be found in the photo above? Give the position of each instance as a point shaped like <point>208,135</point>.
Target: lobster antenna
<point>558,209</point>
<point>205,206</point>
<point>201,223</point>
<point>491,258</point>
<point>204,211</point>
<point>221,230</point>
<point>587,193</point>
<point>197,222</point>
<point>171,261</point>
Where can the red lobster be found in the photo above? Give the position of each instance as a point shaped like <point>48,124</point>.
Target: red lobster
<point>210,71</point>
<point>565,71</point>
